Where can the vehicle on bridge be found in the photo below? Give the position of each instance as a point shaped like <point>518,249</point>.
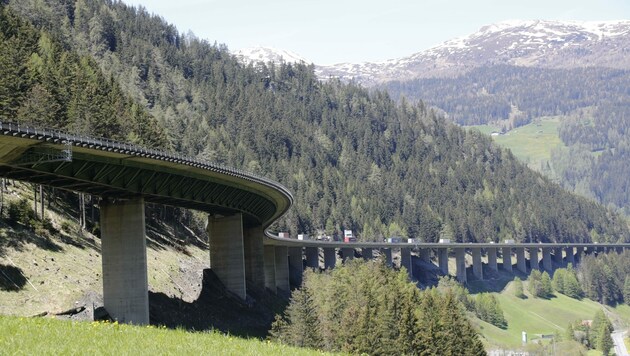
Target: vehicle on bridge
<point>348,236</point>
<point>394,240</point>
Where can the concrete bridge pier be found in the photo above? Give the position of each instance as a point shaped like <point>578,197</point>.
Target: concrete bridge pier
<point>443,259</point>
<point>477,265</point>
<point>557,256</point>
<point>492,259</point>
<point>547,264</point>
<point>387,252</point>
<point>270,268</point>
<point>296,266</point>
<point>521,263</point>
<point>578,254</point>
<point>254,256</point>
<point>124,258</point>
<point>282,269</point>
<point>460,264</point>
<point>507,259</point>
<point>619,249</point>
<point>425,255</point>
<point>570,256</point>
<point>227,258</point>
<point>312,257</point>
<point>330,257</point>
<point>589,250</point>
<point>367,253</point>
<point>533,258</point>
<point>405,261</point>
<point>347,253</point>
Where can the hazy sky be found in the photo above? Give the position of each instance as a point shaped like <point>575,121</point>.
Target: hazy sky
<point>335,31</point>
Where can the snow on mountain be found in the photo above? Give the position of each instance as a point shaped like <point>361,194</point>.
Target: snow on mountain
<point>269,54</point>
<point>535,43</point>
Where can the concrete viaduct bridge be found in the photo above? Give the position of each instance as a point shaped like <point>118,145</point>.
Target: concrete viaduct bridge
<point>240,208</point>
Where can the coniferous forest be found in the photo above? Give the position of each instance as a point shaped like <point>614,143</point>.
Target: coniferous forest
<point>354,159</point>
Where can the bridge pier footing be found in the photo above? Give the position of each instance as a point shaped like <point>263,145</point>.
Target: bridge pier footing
<point>124,258</point>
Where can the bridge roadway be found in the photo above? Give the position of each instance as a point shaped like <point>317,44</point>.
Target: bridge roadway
<point>240,208</point>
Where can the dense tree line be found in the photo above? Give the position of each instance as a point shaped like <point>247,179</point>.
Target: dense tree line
<point>368,308</point>
<point>604,277</point>
<point>594,335</point>
<point>519,94</point>
<point>353,159</point>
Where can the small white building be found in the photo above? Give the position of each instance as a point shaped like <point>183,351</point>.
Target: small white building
<point>284,235</point>
<point>303,237</point>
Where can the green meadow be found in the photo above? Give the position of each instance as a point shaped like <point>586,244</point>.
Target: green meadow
<point>36,336</point>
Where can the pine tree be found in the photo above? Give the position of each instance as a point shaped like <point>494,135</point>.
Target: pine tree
<point>546,291</point>
<point>626,290</point>
<point>518,288</point>
<point>604,340</point>
<point>534,284</point>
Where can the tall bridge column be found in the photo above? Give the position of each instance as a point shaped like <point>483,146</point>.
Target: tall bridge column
<point>547,265</point>
<point>557,255</point>
<point>619,249</point>
<point>270,268</point>
<point>282,269</point>
<point>492,259</point>
<point>124,258</point>
<point>330,257</point>
<point>405,261</point>
<point>227,258</point>
<point>521,264</point>
<point>570,256</point>
<point>533,258</point>
<point>507,259</point>
<point>589,250</point>
<point>254,256</point>
<point>460,264</point>
<point>425,255</point>
<point>312,257</point>
<point>347,253</point>
<point>578,253</point>
<point>366,253</point>
<point>387,252</point>
<point>477,265</point>
<point>296,266</point>
<point>443,259</point>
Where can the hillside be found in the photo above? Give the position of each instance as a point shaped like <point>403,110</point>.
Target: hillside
<point>353,159</point>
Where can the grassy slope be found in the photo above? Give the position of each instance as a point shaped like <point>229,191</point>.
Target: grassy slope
<point>61,269</point>
<point>67,338</point>
<point>541,316</point>
<point>531,143</point>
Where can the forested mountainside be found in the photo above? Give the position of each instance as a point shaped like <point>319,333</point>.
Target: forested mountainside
<point>594,104</point>
<point>353,159</point>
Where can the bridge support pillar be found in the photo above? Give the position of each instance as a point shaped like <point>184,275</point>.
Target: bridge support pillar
<point>507,259</point>
<point>477,265</point>
<point>460,264</point>
<point>547,264</point>
<point>443,259</point>
<point>366,253</point>
<point>227,258</point>
<point>347,253</point>
<point>578,253</point>
<point>312,257</point>
<point>330,257</point>
<point>254,256</point>
<point>387,252</point>
<point>570,256</point>
<point>492,259</point>
<point>521,263</point>
<point>619,249</point>
<point>124,258</point>
<point>589,250</point>
<point>533,258</point>
<point>270,268</point>
<point>282,269</point>
<point>296,266</point>
<point>405,261</point>
<point>557,255</point>
<point>425,255</point>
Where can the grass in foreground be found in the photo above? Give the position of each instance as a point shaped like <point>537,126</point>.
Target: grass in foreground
<point>50,336</point>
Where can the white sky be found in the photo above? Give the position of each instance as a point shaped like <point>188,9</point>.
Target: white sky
<point>335,31</point>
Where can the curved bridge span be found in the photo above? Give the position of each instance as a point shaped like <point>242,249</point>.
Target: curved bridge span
<point>240,208</point>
